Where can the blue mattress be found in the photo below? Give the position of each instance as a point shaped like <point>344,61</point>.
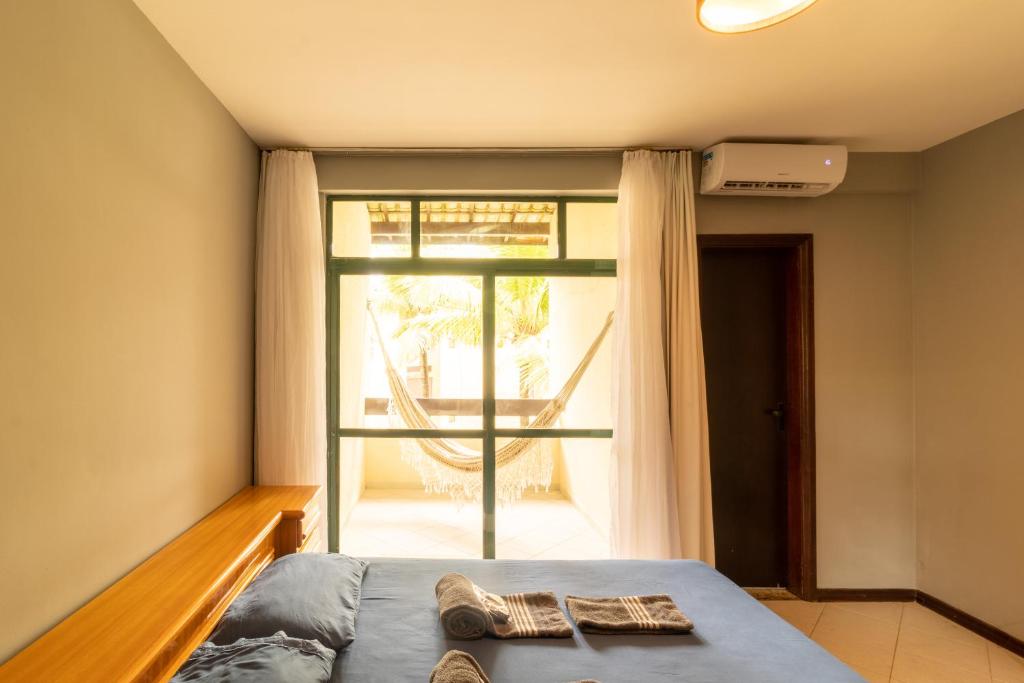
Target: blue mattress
<point>399,636</point>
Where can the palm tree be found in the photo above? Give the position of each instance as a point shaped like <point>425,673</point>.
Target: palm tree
<point>434,309</point>
<point>522,305</point>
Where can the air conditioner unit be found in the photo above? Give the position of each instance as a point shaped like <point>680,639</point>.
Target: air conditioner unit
<point>767,170</point>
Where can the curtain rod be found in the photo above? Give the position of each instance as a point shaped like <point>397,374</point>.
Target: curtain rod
<point>369,151</point>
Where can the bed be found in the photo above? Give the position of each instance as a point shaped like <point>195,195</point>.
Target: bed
<point>399,637</point>
<point>145,625</point>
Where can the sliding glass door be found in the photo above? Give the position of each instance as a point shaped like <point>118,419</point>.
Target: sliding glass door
<point>469,356</point>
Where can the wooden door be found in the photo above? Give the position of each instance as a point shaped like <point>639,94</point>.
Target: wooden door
<point>743,314</point>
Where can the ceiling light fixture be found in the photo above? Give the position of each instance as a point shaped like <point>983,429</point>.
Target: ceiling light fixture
<point>740,16</point>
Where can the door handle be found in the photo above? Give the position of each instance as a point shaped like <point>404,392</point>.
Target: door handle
<point>779,413</point>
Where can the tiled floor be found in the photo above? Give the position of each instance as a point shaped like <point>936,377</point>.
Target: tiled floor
<point>386,523</point>
<point>901,642</point>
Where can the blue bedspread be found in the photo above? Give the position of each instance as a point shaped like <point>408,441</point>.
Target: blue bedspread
<point>399,637</point>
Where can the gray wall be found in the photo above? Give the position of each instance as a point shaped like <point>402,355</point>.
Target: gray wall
<point>863,351</point>
<point>918,324</point>
<point>969,372</point>
<point>862,236</point>
<point>477,173</point>
<point>126,303</point>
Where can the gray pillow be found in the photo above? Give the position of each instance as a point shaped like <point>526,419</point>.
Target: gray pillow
<point>260,660</point>
<point>314,596</point>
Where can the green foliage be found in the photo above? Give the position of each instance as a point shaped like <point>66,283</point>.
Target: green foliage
<point>433,309</point>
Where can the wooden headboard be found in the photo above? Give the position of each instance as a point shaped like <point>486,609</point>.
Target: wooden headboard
<point>145,626</point>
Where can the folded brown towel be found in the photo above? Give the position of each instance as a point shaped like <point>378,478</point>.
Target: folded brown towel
<point>628,614</point>
<point>533,615</point>
<point>458,667</point>
<point>468,612</point>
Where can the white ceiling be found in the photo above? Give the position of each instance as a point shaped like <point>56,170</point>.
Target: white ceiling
<point>876,75</point>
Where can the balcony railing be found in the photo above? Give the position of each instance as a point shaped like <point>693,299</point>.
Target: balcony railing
<point>517,407</point>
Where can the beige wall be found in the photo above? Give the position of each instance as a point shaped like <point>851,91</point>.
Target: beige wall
<point>969,370</point>
<point>126,305</point>
<point>862,245</point>
<point>863,384</point>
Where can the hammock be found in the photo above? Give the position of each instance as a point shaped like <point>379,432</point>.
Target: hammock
<point>447,466</point>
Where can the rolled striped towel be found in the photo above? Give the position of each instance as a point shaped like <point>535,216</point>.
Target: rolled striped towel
<point>469,612</point>
<point>463,612</point>
<point>654,614</point>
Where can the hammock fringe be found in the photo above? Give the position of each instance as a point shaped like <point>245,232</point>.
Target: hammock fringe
<point>447,466</point>
<point>532,469</point>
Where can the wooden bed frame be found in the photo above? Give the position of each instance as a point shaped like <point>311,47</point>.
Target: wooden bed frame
<point>145,626</point>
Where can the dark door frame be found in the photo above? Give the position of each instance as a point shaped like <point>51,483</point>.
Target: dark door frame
<point>799,419</point>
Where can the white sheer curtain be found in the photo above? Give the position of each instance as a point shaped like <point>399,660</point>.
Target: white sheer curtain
<point>657,444</point>
<point>290,430</point>
<point>684,367</point>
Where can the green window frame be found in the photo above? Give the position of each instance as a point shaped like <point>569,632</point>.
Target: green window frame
<point>487,270</point>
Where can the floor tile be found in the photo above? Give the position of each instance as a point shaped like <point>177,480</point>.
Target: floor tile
<point>872,676</point>
<point>923,619</point>
<point>1006,666</point>
<point>908,668</point>
<point>864,642</point>
<point>929,648</point>
<point>922,655</point>
<point>392,523</point>
<point>889,612</point>
<point>801,615</point>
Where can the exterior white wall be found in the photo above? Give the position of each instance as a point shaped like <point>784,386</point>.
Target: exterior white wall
<point>579,307</point>
<point>351,236</point>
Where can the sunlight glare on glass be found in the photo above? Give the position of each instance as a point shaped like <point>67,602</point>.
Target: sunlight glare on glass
<point>737,16</point>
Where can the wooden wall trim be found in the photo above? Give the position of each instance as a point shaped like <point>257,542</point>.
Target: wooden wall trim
<point>803,454</point>
<point>954,614</point>
<point>972,623</point>
<point>865,595</point>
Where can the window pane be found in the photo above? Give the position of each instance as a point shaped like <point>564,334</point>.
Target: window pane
<point>591,229</point>
<point>430,335</point>
<point>362,228</point>
<point>544,329</point>
<point>385,511</point>
<point>570,519</point>
<point>489,229</point>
